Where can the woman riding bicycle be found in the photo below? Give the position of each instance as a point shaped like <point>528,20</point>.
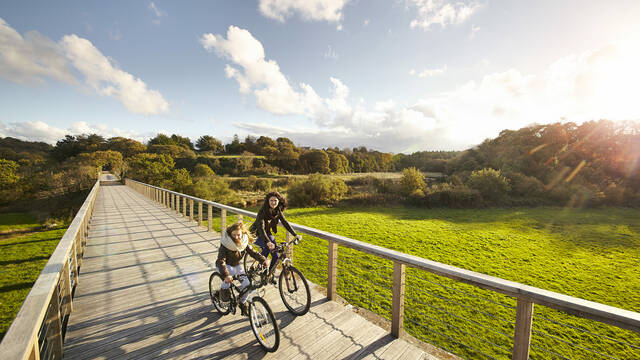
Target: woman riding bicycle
<point>235,242</point>
<point>267,222</point>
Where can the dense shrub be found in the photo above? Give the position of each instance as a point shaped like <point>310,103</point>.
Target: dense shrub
<point>202,171</point>
<point>215,189</point>
<point>492,185</point>
<point>317,189</point>
<point>412,180</point>
<point>367,180</point>
<point>446,195</point>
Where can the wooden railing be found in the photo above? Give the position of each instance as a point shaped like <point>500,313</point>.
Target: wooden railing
<point>526,295</point>
<point>37,332</point>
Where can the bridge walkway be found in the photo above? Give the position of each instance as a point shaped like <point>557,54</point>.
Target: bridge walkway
<point>143,293</point>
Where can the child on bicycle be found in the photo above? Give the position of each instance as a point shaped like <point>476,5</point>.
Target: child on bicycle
<point>235,244</point>
<point>267,219</point>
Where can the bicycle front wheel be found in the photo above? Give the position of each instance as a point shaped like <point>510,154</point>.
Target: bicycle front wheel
<point>294,291</point>
<point>215,282</point>
<point>263,324</point>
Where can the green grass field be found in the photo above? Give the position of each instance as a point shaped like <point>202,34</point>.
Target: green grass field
<point>591,254</point>
<point>17,221</point>
<point>22,258</point>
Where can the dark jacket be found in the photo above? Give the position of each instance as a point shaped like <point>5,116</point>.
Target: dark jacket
<point>233,257</point>
<point>267,222</point>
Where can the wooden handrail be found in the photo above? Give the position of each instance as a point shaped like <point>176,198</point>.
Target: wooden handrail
<point>21,339</point>
<point>526,295</point>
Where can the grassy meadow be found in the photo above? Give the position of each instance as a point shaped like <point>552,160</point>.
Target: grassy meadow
<point>587,253</point>
<point>22,258</point>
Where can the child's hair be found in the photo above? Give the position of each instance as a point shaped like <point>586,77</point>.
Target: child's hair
<point>239,225</point>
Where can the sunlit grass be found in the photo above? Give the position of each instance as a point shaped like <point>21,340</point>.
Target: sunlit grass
<point>17,221</point>
<point>22,258</point>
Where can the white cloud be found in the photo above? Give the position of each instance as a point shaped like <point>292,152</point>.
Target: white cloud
<point>441,12</point>
<point>158,13</point>
<point>429,72</point>
<point>108,80</point>
<point>271,88</point>
<point>41,131</point>
<point>30,58</point>
<point>316,10</point>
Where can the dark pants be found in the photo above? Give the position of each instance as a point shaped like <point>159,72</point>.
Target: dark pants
<point>265,250</point>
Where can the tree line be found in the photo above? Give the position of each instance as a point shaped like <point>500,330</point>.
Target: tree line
<point>595,163</point>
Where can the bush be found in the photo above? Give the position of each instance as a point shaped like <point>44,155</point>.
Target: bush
<point>525,186</point>
<point>412,180</point>
<point>317,189</point>
<point>492,185</point>
<point>366,180</point>
<point>445,195</point>
<point>385,186</point>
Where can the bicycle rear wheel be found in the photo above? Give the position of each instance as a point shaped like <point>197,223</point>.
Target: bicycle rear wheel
<point>263,324</point>
<point>294,291</point>
<point>215,282</point>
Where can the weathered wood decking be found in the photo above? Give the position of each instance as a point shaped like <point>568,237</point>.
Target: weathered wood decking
<point>143,293</point>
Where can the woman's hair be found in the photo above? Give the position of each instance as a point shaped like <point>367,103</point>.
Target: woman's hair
<point>239,225</point>
<point>282,202</point>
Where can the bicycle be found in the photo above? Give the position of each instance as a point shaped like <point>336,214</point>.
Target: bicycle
<point>296,297</point>
<point>263,322</point>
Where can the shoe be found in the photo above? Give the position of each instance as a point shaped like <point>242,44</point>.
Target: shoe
<point>244,311</point>
<point>225,295</point>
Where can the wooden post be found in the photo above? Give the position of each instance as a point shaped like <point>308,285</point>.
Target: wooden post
<point>397,311</point>
<point>240,217</point>
<point>54,323</point>
<point>35,349</point>
<point>287,238</point>
<point>184,206</point>
<point>332,270</point>
<point>199,213</point>
<point>191,209</point>
<point>175,203</point>
<point>67,304</point>
<point>209,216</point>
<point>522,336</point>
<point>223,220</point>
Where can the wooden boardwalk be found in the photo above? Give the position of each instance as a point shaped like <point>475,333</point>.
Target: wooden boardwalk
<point>143,294</point>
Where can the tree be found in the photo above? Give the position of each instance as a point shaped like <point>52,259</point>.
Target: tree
<point>174,151</point>
<point>150,168</point>
<point>315,161</point>
<point>492,185</point>
<point>338,163</point>
<point>412,180</point>
<point>8,173</point>
<point>126,147</point>
<point>235,147</point>
<point>202,171</point>
<point>317,189</point>
<point>209,143</point>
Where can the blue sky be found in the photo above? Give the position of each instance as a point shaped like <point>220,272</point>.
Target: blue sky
<point>392,75</point>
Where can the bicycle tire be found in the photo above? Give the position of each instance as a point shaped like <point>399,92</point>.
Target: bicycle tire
<point>260,316</point>
<point>249,263</point>
<point>215,281</point>
<point>296,298</point>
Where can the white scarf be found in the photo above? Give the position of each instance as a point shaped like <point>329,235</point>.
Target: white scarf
<point>228,242</point>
